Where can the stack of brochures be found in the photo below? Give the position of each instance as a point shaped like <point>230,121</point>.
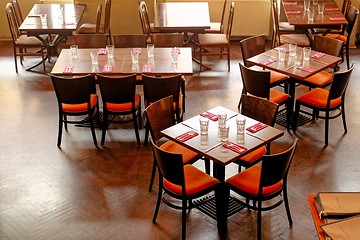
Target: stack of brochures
<point>341,214</point>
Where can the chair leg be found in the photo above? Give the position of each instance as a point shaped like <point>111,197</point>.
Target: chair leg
<point>296,116</point>
<point>136,128</point>
<point>343,116</point>
<point>153,171</point>
<point>228,57</point>
<point>60,130</point>
<point>242,92</point>
<point>286,202</point>
<point>158,201</point>
<point>92,128</point>
<point>183,216</point>
<point>259,221</point>
<point>207,165</point>
<point>200,51</point>
<point>147,130</point>
<point>347,55</point>
<point>326,127</point>
<point>104,127</point>
<point>15,58</point>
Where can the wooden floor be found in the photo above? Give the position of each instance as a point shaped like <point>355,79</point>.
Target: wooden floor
<point>80,192</point>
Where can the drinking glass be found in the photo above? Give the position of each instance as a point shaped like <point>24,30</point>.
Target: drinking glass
<point>94,58</point>
<point>174,57</point>
<point>315,2</point>
<point>204,125</point>
<point>74,51</point>
<point>222,118</point>
<point>240,124</point>
<point>311,13</point>
<point>306,5</point>
<point>292,49</point>
<point>135,56</point>
<point>150,50</point>
<point>43,19</point>
<point>299,56</point>
<point>306,53</point>
<point>224,133</point>
<point>282,53</point>
<point>321,8</point>
<point>110,51</point>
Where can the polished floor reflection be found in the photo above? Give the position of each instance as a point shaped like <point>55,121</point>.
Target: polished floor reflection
<point>80,192</point>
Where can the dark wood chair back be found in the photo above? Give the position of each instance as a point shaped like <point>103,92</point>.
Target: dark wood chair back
<point>259,109</point>
<point>98,18</point>
<point>230,21</point>
<point>160,115</point>
<point>255,82</point>
<point>168,39</point>
<point>339,84</point>
<point>90,40</point>
<point>130,41</point>
<point>106,29</point>
<point>144,18</point>
<point>326,45</point>
<point>252,46</point>
<point>223,17</point>
<point>18,14</point>
<point>13,23</point>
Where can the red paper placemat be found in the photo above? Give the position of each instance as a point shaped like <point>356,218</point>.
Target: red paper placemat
<point>289,3</point>
<point>306,69</point>
<point>235,147</point>
<point>210,116</point>
<point>318,55</point>
<point>257,127</point>
<point>331,9</point>
<point>101,51</point>
<point>186,136</point>
<point>337,18</point>
<point>68,69</point>
<point>146,68</point>
<point>175,50</point>
<point>268,61</point>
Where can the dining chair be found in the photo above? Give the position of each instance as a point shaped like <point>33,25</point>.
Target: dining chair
<point>287,36</point>
<point>168,39</point>
<point>263,111</point>
<point>253,46</point>
<point>130,40</point>
<point>17,10</point>
<point>119,98</point>
<point>264,183</point>
<point>329,46</point>
<point>217,40</point>
<point>93,40</point>
<point>218,27</point>
<point>146,26</point>
<point>257,83</point>
<point>156,88</point>
<point>326,101</point>
<point>89,28</point>
<point>345,36</point>
<point>73,103</point>
<point>183,182</point>
<point>160,116</point>
<point>22,44</point>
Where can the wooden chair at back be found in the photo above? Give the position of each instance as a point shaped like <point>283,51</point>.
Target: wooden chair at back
<point>18,14</point>
<point>106,29</point>
<point>253,46</point>
<point>144,19</point>
<point>76,96</point>
<point>88,28</point>
<point>168,39</point>
<point>119,98</point>
<point>90,40</point>
<point>265,183</point>
<point>285,36</point>
<point>180,182</point>
<point>21,41</point>
<point>329,46</point>
<point>218,27</point>
<point>257,83</point>
<point>261,110</point>
<point>326,101</point>
<point>130,41</point>
<point>214,40</point>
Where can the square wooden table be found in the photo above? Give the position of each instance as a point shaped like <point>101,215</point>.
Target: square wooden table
<point>212,148</point>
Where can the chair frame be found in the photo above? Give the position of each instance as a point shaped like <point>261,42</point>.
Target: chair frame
<point>16,36</point>
<point>351,16</point>
<point>221,30</point>
<point>274,169</point>
<point>171,168</point>
<point>226,45</point>
<point>67,92</point>
<point>119,90</point>
<point>144,19</point>
<point>337,90</point>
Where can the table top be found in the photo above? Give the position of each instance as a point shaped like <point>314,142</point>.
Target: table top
<point>316,218</point>
<point>60,19</point>
<point>161,63</point>
<point>211,147</point>
<point>182,16</point>
<point>289,66</point>
<point>294,11</point>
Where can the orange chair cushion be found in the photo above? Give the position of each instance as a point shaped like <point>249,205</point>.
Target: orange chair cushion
<point>254,155</point>
<point>82,107</point>
<point>173,147</point>
<point>195,181</point>
<point>277,77</point>
<point>248,181</point>
<point>320,79</point>
<point>337,36</point>
<point>318,98</point>
<point>122,107</point>
<point>278,97</point>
